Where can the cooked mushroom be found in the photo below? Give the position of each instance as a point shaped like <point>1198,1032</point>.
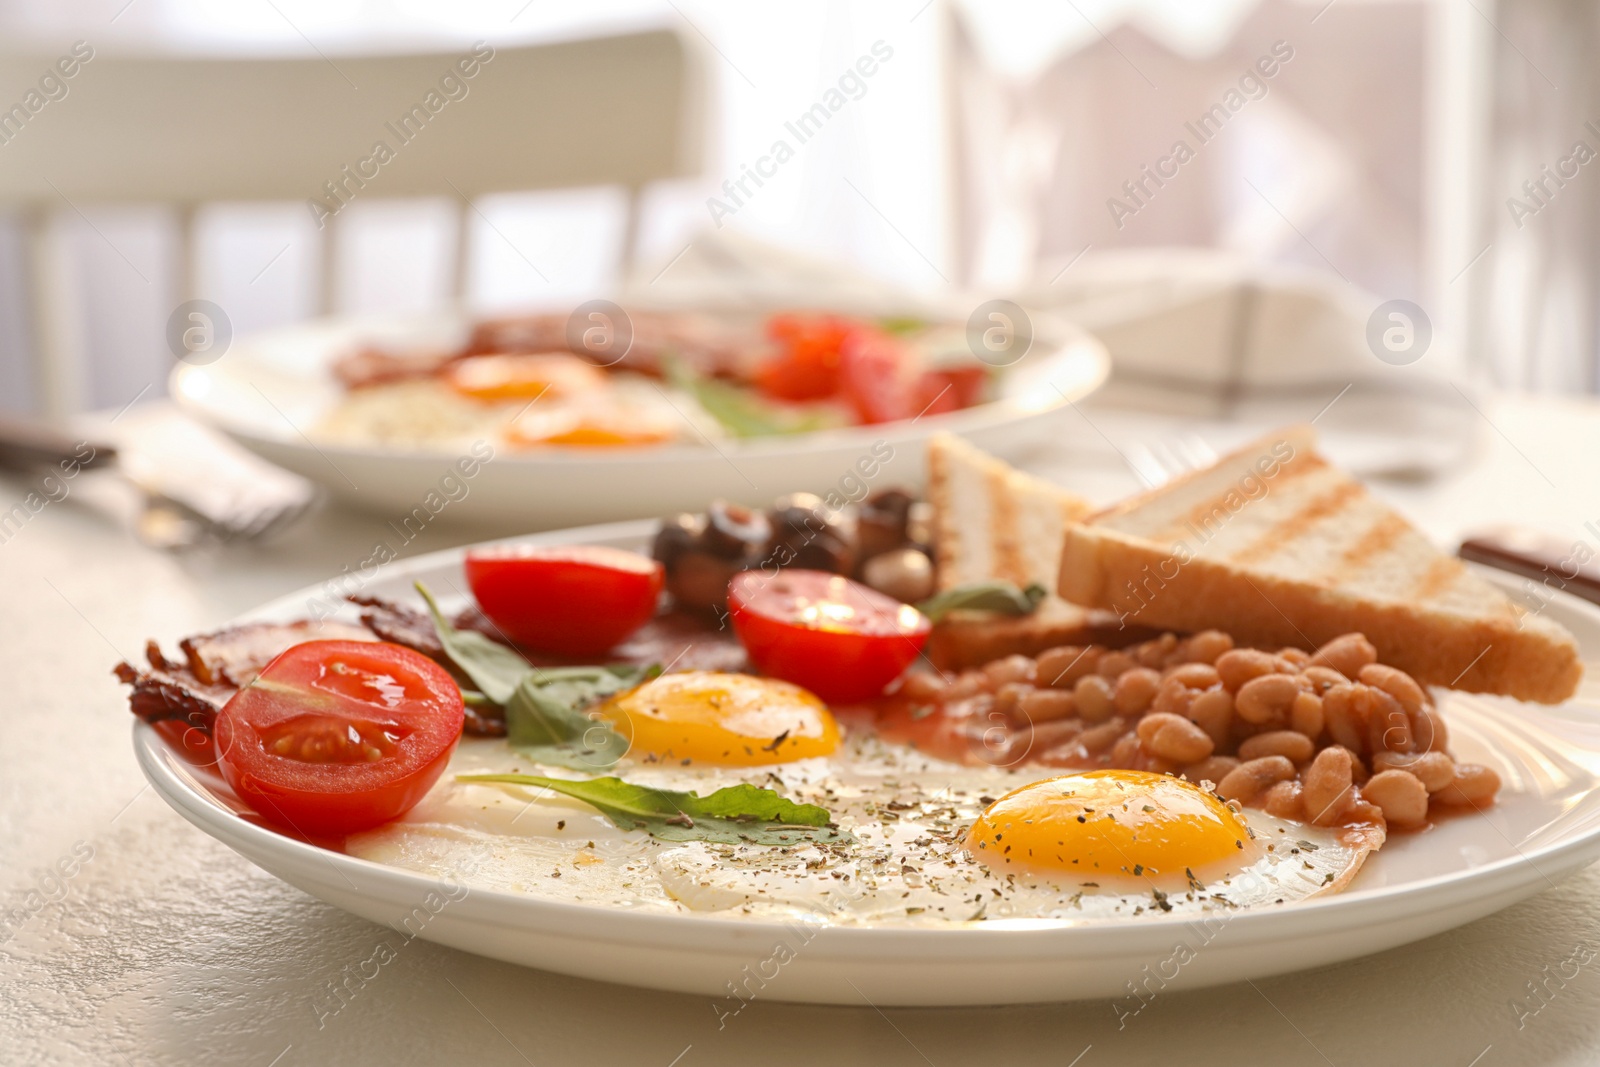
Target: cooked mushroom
<point>734,531</point>
<point>817,538</point>
<point>882,524</point>
<point>701,554</point>
<point>904,573</point>
<point>676,536</point>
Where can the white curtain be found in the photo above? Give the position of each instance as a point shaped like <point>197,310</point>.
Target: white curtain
<point>1302,134</point>
<point>1538,322</point>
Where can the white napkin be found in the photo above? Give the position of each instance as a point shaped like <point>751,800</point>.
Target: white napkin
<point>1199,334</point>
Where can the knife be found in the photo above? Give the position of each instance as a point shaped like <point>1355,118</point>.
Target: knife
<point>1541,557</point>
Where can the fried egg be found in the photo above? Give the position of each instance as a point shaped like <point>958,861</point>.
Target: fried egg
<point>1113,825</point>
<point>931,837</point>
<point>722,718</point>
<point>522,401</point>
<point>523,376</point>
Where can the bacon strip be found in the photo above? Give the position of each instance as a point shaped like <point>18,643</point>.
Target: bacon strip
<point>400,625</point>
<point>234,656</point>
<point>372,366</point>
<point>218,664</point>
<point>707,344</point>
<point>169,690</point>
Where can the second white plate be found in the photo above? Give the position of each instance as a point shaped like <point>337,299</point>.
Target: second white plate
<point>269,390</point>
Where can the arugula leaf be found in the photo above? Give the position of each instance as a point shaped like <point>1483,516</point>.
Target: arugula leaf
<point>1001,598</point>
<point>548,719</point>
<point>736,814</point>
<point>495,669</point>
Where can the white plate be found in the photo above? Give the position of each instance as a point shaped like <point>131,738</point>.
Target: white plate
<point>1545,826</point>
<point>268,390</point>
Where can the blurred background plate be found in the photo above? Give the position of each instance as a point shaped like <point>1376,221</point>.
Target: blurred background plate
<point>273,388</point>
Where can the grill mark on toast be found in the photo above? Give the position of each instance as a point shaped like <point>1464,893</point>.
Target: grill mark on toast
<point>1009,563</point>
<point>1293,526</point>
<point>1192,520</point>
<point>1440,575</point>
<point>946,547</point>
<point>1378,539</point>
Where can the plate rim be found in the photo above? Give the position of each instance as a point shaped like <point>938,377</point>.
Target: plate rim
<point>1016,939</point>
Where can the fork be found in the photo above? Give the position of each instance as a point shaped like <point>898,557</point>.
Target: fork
<point>1171,456</point>
<point>168,523</point>
<point>192,488</point>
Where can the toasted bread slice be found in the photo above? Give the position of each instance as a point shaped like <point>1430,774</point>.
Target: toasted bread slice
<point>992,521</point>
<point>1277,547</point>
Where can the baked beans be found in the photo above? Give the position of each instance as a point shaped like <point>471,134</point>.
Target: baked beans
<point>1331,737</point>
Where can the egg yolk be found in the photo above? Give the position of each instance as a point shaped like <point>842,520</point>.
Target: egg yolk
<point>523,376</point>
<point>1108,826</point>
<point>596,428</point>
<point>722,718</point>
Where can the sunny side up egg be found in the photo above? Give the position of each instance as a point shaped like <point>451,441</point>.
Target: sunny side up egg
<point>723,719</point>
<point>1112,826</point>
<point>1137,836</point>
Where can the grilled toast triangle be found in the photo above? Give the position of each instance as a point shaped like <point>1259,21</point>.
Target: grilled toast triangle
<point>1278,547</point>
<point>992,521</point>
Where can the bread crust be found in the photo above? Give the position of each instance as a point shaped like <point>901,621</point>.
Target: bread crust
<point>971,639</point>
<point>1527,657</point>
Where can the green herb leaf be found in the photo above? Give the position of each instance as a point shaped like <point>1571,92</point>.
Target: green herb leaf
<point>495,669</point>
<point>548,717</point>
<point>737,814</point>
<point>903,325</point>
<point>740,411</point>
<point>1001,598</point>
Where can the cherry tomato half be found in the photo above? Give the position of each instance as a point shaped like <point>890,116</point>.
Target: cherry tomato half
<point>576,600</point>
<point>339,736</point>
<point>878,376</point>
<point>838,638</point>
<point>941,391</point>
<point>807,365</point>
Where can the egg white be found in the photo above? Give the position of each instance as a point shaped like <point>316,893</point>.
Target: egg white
<point>909,813</point>
<point>427,411</point>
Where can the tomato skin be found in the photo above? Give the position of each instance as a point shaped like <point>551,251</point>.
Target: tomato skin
<point>807,367</point>
<point>370,688</point>
<point>575,600</point>
<point>836,637</point>
<point>195,744</point>
<point>942,391</point>
<point>879,377</point>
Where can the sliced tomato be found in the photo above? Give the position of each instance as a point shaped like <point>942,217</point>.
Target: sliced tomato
<point>878,376</point>
<point>576,600</point>
<point>941,391</point>
<point>838,638</point>
<point>806,367</point>
<point>339,736</point>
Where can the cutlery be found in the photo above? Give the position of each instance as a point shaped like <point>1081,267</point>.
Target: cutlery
<point>193,488</point>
